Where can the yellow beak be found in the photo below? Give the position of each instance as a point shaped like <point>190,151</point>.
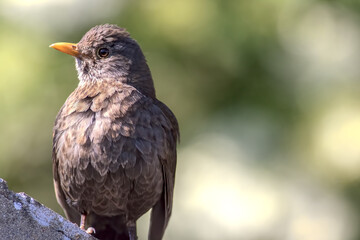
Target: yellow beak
<point>68,48</point>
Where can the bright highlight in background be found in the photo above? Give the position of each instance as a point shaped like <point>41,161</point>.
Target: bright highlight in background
<point>337,138</point>
<point>266,94</point>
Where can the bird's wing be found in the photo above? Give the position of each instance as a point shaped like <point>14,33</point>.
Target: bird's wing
<point>70,213</point>
<point>161,212</point>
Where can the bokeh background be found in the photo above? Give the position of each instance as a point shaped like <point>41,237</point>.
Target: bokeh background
<point>267,94</point>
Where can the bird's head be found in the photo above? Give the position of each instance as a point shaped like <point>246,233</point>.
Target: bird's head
<point>108,52</point>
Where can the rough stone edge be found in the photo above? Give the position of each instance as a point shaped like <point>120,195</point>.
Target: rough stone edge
<point>41,215</point>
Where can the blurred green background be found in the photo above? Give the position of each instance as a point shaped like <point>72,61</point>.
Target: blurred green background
<point>266,93</point>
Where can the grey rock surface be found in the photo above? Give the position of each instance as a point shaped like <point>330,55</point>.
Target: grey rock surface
<point>22,217</point>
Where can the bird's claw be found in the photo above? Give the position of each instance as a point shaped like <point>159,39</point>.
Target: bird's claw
<point>90,230</point>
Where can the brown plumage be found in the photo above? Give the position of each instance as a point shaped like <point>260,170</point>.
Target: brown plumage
<point>114,143</point>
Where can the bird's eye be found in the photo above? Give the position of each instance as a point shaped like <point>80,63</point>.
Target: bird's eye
<point>103,52</point>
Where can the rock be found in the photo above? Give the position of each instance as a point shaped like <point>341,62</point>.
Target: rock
<point>22,217</point>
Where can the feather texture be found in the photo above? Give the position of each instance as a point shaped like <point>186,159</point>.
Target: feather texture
<point>114,143</point>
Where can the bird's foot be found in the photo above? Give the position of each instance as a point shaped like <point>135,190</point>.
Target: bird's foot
<point>90,230</point>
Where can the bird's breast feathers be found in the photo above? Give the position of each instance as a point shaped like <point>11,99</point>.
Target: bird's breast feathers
<point>109,133</point>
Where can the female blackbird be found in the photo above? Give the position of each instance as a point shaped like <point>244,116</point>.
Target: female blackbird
<point>114,143</point>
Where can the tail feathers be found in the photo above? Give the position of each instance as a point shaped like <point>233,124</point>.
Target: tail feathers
<point>158,221</point>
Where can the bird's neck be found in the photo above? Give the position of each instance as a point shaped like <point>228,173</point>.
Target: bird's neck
<point>140,76</point>
<point>142,80</point>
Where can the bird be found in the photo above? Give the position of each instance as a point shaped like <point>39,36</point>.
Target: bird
<point>114,143</point>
